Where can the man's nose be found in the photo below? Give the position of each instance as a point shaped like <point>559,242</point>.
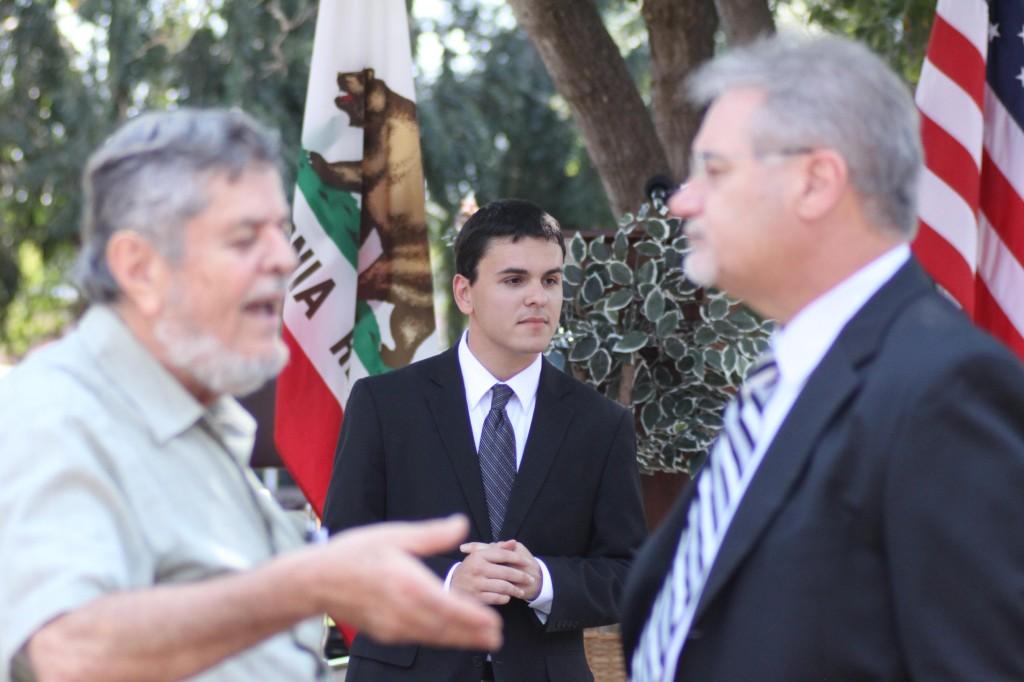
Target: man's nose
<point>537,294</point>
<point>683,202</point>
<point>280,256</point>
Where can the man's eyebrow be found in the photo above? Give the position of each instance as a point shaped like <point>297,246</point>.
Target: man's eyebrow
<point>708,155</point>
<point>524,271</point>
<point>253,223</point>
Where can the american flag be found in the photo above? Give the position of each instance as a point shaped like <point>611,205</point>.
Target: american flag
<point>971,98</point>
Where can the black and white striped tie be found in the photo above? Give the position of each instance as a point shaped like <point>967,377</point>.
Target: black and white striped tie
<point>498,457</point>
<point>714,500</point>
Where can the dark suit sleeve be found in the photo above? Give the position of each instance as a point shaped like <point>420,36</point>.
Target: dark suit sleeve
<point>588,589</point>
<point>954,509</point>
<point>357,493</point>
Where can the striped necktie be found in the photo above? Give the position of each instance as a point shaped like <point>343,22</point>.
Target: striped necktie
<point>714,500</point>
<point>498,457</point>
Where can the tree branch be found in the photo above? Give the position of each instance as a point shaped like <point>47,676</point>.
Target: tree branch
<point>745,20</point>
<point>682,37</point>
<point>286,25</point>
<point>588,70</point>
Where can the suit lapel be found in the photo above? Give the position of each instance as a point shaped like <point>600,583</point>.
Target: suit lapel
<point>551,418</point>
<point>448,405</point>
<point>827,389</point>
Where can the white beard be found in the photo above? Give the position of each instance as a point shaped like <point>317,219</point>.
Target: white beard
<point>204,357</point>
<point>701,268</point>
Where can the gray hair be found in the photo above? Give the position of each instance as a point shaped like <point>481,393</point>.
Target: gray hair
<point>827,91</point>
<point>151,177</point>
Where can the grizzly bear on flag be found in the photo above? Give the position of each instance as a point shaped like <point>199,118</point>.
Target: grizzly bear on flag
<point>392,226</point>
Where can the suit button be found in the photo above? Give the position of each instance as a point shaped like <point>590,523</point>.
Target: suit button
<point>695,633</point>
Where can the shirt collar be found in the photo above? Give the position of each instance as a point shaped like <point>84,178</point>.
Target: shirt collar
<point>801,344</point>
<point>478,380</point>
<point>160,400</point>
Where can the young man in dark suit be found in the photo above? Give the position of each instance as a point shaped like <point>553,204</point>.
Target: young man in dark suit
<point>859,519</point>
<point>543,466</point>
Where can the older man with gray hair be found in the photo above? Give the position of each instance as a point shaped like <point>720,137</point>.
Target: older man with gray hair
<point>136,544</point>
<point>859,517</point>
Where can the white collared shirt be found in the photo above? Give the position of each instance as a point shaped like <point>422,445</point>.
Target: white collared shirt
<point>799,348</point>
<point>478,382</point>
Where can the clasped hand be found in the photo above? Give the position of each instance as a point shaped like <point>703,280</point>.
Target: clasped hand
<point>496,572</point>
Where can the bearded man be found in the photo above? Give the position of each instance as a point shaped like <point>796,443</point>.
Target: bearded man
<point>136,542</point>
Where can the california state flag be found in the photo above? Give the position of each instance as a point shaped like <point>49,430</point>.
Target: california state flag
<point>361,301</point>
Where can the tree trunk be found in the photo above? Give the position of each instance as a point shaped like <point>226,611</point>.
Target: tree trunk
<point>682,37</point>
<point>590,73</point>
<point>745,20</point>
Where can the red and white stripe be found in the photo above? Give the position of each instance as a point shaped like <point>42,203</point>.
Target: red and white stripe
<point>971,237</point>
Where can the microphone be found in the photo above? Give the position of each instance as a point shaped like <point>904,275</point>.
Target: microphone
<point>658,189</point>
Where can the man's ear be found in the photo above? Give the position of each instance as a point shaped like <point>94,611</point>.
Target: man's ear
<point>139,270</point>
<point>824,184</point>
<point>462,290</point>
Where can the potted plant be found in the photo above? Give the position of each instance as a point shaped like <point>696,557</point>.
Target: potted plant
<point>636,329</point>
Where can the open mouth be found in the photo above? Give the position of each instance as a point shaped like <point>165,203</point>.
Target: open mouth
<point>264,307</point>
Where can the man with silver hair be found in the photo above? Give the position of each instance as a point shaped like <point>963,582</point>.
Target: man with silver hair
<point>136,542</point>
<point>858,518</point>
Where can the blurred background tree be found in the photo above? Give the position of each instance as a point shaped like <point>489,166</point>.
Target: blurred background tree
<point>571,105</point>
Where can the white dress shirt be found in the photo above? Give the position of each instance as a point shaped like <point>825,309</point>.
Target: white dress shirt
<point>799,348</point>
<point>478,382</point>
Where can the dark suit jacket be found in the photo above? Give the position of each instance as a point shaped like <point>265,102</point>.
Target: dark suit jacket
<point>881,538</point>
<point>406,452</point>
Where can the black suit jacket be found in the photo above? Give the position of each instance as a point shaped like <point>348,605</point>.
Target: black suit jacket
<point>406,452</point>
<point>881,537</point>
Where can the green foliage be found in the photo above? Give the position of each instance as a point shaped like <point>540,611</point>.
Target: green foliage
<point>641,333</point>
<point>71,72</point>
<point>501,126</point>
<point>43,305</point>
<point>897,30</point>
<point>49,124</point>
<point>492,123</point>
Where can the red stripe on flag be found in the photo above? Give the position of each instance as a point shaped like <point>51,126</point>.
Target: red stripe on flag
<point>991,317</point>
<point>946,265</point>
<point>1002,206</point>
<point>958,58</point>
<point>307,421</point>
<point>950,162</point>
<point>953,54</point>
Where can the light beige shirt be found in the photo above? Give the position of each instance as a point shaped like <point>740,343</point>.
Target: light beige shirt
<point>113,477</point>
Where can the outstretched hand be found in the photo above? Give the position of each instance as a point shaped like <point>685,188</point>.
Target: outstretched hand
<point>374,581</point>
